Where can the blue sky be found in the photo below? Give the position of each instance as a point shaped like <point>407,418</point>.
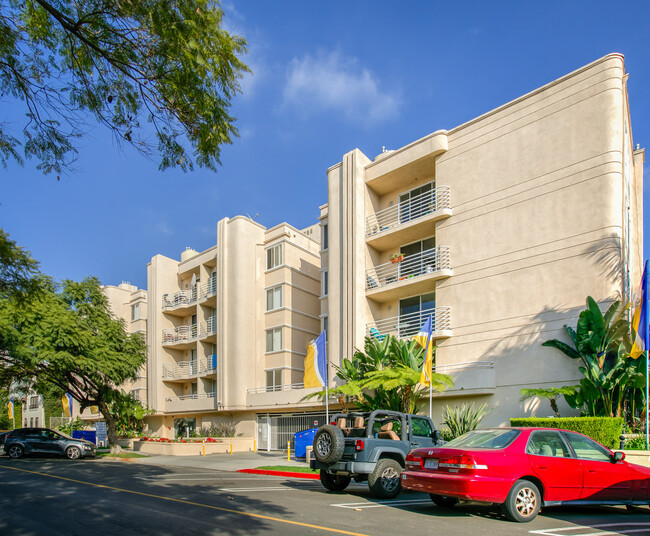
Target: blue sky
<point>328,77</point>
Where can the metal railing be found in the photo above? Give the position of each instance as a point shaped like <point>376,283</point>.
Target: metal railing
<point>274,388</point>
<point>427,262</point>
<point>208,289</point>
<point>209,364</point>
<point>209,327</point>
<point>417,207</point>
<point>408,325</point>
<point>179,334</point>
<point>179,370</point>
<point>190,397</point>
<point>180,298</point>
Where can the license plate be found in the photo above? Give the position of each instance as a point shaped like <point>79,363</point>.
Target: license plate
<point>431,463</point>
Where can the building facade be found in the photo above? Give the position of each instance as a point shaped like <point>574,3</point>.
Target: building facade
<point>499,229</point>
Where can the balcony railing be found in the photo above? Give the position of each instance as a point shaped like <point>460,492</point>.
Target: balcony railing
<point>417,207</point>
<point>209,364</point>
<point>180,298</point>
<point>179,370</point>
<point>179,334</point>
<point>190,397</point>
<point>428,262</point>
<point>405,326</point>
<point>208,289</point>
<point>209,327</point>
<point>274,388</point>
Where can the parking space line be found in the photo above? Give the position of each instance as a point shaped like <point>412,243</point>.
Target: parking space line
<point>181,501</point>
<point>382,504</point>
<point>575,530</point>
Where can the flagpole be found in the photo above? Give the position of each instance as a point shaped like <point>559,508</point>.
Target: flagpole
<point>646,333</point>
<point>327,397</point>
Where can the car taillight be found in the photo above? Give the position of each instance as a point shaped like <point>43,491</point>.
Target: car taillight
<point>359,445</point>
<point>454,464</point>
<point>414,463</point>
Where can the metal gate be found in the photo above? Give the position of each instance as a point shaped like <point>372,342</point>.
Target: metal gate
<point>274,430</point>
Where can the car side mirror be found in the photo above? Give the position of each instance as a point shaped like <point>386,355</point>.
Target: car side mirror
<point>436,436</point>
<point>618,457</point>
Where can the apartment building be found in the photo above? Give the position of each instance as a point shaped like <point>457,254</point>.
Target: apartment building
<point>229,329</point>
<point>498,228</point>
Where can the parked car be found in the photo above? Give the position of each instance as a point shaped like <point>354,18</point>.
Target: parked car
<point>370,446</point>
<point>45,441</point>
<point>523,469</point>
<point>2,442</point>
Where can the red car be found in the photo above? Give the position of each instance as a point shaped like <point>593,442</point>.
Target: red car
<point>524,469</point>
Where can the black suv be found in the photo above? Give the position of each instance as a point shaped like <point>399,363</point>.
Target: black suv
<point>45,441</point>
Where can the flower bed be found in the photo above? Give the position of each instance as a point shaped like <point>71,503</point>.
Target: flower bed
<point>194,446</point>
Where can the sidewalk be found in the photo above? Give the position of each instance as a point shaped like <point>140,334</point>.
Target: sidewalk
<point>224,462</point>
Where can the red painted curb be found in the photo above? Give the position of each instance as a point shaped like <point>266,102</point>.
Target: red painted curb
<point>280,473</point>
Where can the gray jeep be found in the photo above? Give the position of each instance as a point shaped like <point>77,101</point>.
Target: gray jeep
<point>370,446</point>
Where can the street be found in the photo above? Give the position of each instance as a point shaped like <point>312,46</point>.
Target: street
<point>51,496</point>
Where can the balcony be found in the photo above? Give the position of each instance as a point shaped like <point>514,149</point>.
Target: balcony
<point>180,337</point>
<point>196,402</point>
<point>406,326</point>
<point>470,378</point>
<point>209,365</point>
<point>179,303</point>
<point>182,369</point>
<point>209,290</point>
<point>388,281</point>
<point>409,220</point>
<point>208,328</point>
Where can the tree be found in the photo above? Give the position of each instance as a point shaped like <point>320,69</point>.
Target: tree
<point>552,394</point>
<point>18,270</point>
<point>142,68</point>
<point>67,336</point>
<point>385,376</point>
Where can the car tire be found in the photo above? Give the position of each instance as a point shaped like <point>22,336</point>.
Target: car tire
<point>334,482</point>
<point>444,501</point>
<point>15,451</point>
<point>73,453</point>
<point>384,482</point>
<point>329,443</point>
<point>523,502</point>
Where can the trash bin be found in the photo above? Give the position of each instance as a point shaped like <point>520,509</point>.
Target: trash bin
<point>301,440</point>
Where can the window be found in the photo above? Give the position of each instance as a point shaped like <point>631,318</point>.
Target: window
<point>274,340</point>
<point>273,298</point>
<point>33,402</point>
<point>413,313</point>
<point>193,368</point>
<point>274,380</point>
<point>545,443</point>
<point>586,449</point>
<point>36,422</point>
<point>424,262</point>
<point>325,325</point>
<point>325,282</point>
<point>135,312</point>
<point>421,427</point>
<point>416,203</point>
<point>325,239</point>
<point>274,256</point>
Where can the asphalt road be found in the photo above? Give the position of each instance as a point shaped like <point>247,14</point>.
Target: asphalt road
<point>51,496</point>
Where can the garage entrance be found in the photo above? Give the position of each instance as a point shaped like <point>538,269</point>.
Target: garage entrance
<point>275,429</point>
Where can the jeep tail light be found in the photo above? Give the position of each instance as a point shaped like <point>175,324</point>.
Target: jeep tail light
<point>359,445</point>
<point>414,463</point>
<point>464,463</point>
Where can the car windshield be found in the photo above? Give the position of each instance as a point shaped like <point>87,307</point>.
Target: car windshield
<point>484,439</point>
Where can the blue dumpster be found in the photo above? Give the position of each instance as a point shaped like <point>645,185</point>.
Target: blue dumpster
<point>301,440</point>
<point>88,435</point>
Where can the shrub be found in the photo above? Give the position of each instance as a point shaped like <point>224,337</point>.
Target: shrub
<point>635,443</point>
<point>605,430</point>
<point>463,419</point>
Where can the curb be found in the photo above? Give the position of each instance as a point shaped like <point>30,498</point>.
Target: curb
<point>311,476</point>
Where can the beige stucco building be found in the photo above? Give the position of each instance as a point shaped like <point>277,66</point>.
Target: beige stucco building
<point>501,227</point>
<point>506,223</point>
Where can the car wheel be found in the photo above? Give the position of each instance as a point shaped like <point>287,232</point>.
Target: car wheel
<point>523,502</point>
<point>73,453</point>
<point>384,481</point>
<point>334,482</point>
<point>444,501</point>
<point>329,443</point>
<point>15,451</point>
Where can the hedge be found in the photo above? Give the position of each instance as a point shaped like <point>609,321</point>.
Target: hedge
<point>605,430</point>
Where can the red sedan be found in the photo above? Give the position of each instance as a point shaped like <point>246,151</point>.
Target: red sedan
<point>524,469</point>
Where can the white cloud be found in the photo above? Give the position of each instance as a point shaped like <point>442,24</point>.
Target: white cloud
<point>332,83</point>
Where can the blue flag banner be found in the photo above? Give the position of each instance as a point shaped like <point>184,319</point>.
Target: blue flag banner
<point>640,318</point>
<point>316,363</point>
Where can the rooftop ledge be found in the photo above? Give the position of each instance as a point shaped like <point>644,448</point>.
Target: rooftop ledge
<point>403,166</point>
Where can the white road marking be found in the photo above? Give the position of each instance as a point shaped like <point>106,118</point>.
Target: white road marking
<point>621,528</point>
<point>269,488</point>
<point>381,504</point>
